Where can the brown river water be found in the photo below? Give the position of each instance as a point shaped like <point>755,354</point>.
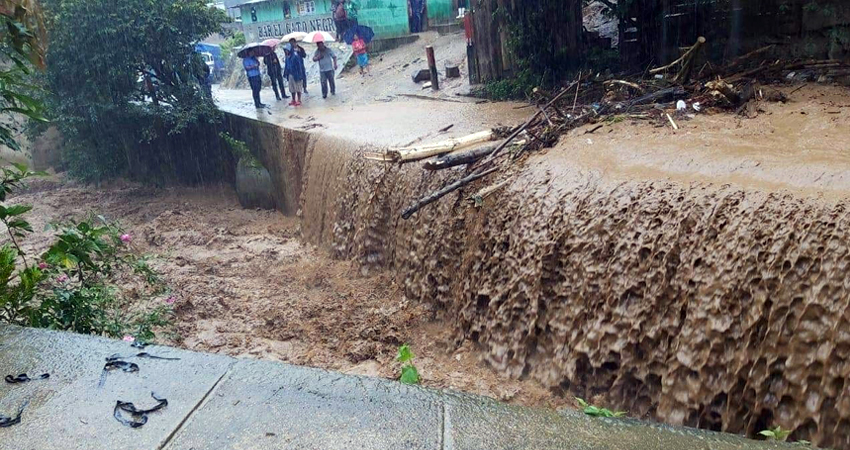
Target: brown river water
<point>697,277</point>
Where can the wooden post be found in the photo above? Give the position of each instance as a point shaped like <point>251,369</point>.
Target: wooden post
<point>432,64</point>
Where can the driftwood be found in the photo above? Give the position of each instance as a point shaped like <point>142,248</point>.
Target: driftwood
<point>686,58</point>
<point>669,93</point>
<point>415,153</point>
<point>489,190</point>
<point>434,196</point>
<point>737,61</point>
<point>527,124</point>
<point>459,158</point>
<point>672,123</point>
<point>625,83</point>
<point>464,157</point>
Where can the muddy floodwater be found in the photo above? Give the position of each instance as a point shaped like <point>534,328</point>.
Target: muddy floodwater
<point>247,287</point>
<point>695,277</point>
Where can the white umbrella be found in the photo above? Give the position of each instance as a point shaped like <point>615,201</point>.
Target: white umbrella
<point>297,35</point>
<point>319,36</point>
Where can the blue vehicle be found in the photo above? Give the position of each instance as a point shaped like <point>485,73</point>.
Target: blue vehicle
<point>212,56</point>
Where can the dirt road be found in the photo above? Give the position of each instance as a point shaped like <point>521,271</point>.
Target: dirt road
<point>247,287</point>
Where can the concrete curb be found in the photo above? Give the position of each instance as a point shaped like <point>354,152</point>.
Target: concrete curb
<point>217,402</point>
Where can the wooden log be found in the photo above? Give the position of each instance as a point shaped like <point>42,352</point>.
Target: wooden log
<point>407,154</point>
<point>687,55</point>
<point>432,66</point>
<point>433,197</point>
<point>459,158</point>
<point>464,157</point>
<point>737,61</point>
<point>452,71</point>
<point>625,83</point>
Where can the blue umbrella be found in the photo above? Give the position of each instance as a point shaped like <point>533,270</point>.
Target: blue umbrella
<point>361,30</point>
<point>260,50</point>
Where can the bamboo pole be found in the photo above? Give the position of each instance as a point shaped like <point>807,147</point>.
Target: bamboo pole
<point>415,153</point>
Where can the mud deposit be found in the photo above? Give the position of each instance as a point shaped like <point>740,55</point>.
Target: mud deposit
<point>718,304</point>
<point>247,287</point>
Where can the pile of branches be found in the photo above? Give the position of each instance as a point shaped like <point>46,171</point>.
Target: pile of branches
<point>665,95</point>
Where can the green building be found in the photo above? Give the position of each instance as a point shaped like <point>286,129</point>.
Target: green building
<point>263,19</point>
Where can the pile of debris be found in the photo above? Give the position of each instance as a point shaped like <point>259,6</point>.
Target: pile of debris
<point>664,95</point>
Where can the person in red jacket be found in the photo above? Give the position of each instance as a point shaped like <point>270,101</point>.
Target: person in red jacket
<point>361,51</point>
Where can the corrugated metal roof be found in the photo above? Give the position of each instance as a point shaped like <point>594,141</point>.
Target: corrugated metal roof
<point>249,2</point>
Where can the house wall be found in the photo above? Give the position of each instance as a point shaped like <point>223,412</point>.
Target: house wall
<point>441,12</point>
<point>272,20</point>
<point>387,18</point>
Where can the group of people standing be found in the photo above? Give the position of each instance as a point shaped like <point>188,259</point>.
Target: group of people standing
<point>294,71</point>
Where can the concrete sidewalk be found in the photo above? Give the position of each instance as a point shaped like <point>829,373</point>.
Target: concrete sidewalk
<point>216,402</point>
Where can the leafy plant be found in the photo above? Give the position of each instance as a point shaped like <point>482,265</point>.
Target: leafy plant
<point>236,40</point>
<point>16,298</point>
<point>409,373</point>
<point>240,151</point>
<point>776,433</point>
<point>595,411</point>
<point>21,50</point>
<point>75,284</point>
<point>122,74</point>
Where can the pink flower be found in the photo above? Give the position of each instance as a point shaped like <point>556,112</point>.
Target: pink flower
<point>170,300</point>
<point>126,238</point>
<point>128,338</point>
<point>42,265</point>
<point>62,278</point>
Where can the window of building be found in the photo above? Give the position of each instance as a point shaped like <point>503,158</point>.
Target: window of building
<point>306,7</point>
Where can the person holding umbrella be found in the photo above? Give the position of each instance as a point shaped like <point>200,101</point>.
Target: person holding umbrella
<point>295,73</point>
<point>275,71</point>
<point>327,65</point>
<point>252,69</point>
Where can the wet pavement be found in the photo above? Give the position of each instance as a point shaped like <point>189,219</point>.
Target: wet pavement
<point>394,121</point>
<point>217,402</point>
<point>385,107</point>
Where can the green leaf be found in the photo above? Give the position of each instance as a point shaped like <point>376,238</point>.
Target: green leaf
<point>404,354</point>
<point>767,433</point>
<point>582,403</point>
<point>17,210</point>
<point>20,224</point>
<point>409,375</point>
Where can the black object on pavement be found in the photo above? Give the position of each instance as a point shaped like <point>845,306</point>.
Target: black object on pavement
<point>138,417</point>
<point>9,421</point>
<point>23,378</point>
<point>117,357</point>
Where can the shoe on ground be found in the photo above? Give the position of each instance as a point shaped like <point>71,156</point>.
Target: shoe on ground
<point>297,103</point>
<point>293,103</point>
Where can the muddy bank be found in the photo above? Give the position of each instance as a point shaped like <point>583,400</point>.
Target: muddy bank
<point>712,304</point>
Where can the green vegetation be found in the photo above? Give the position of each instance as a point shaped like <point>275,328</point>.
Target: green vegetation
<point>409,373</point>
<point>74,285</point>
<point>776,433</point>
<point>232,42</point>
<point>595,411</point>
<point>21,52</point>
<point>120,74</point>
<point>240,151</point>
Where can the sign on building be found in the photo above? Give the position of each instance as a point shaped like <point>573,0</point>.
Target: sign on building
<point>266,30</point>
